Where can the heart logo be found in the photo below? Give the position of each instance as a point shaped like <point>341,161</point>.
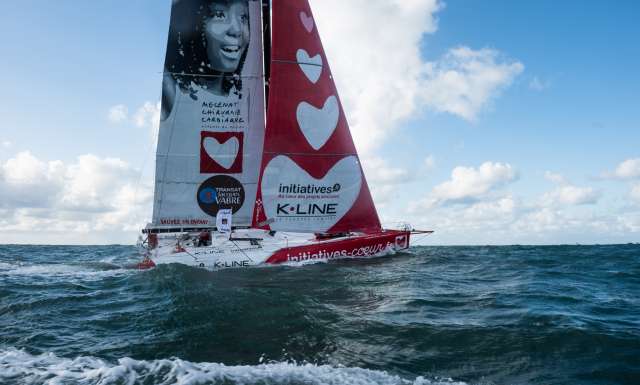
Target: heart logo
<point>311,66</point>
<point>307,21</point>
<point>225,154</point>
<point>296,201</point>
<point>318,125</point>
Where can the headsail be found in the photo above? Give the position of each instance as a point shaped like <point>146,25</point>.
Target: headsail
<point>311,179</point>
<point>212,123</point>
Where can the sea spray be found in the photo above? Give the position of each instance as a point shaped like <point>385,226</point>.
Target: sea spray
<point>19,367</point>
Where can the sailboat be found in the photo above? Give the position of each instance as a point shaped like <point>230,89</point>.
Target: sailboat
<point>255,163</point>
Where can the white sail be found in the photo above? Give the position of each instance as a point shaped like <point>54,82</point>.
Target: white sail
<point>212,124</point>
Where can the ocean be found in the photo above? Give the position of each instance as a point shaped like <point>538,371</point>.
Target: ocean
<point>434,315</point>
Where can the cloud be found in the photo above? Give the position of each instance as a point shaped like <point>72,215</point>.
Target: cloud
<point>538,85</point>
<point>383,179</point>
<point>118,113</point>
<point>567,193</point>
<point>465,80</point>
<point>469,183</point>
<point>381,75</point>
<point>6,144</point>
<point>571,195</point>
<point>378,171</point>
<point>94,184</point>
<point>544,219</point>
<point>90,194</point>
<point>555,178</point>
<point>491,210</point>
<point>25,181</point>
<point>629,169</point>
<point>566,214</point>
<point>485,221</point>
<point>147,115</point>
<point>430,162</point>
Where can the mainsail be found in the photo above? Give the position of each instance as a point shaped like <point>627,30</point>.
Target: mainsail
<point>311,178</point>
<point>212,124</point>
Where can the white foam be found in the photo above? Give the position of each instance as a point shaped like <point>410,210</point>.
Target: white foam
<point>60,270</point>
<point>6,266</point>
<point>17,366</point>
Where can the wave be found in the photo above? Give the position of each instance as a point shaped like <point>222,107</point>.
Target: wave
<point>77,270</point>
<point>20,367</point>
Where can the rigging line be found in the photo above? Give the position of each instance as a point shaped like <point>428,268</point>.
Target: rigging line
<point>150,146</point>
<point>311,154</point>
<point>209,76</point>
<point>419,238</point>
<point>188,253</point>
<point>240,249</point>
<point>296,62</point>
<point>186,182</point>
<point>192,256</point>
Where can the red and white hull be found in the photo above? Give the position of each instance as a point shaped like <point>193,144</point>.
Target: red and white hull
<point>253,247</point>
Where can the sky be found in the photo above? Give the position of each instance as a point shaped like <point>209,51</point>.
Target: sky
<point>490,122</point>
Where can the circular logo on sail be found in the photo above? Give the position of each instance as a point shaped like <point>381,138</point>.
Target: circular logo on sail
<point>220,192</point>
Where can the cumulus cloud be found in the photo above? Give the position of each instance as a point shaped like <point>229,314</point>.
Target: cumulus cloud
<point>378,171</point>
<point>563,215</point>
<point>469,183</point>
<point>118,113</point>
<point>382,77</point>
<point>25,181</point>
<point>485,221</point>
<point>383,179</point>
<point>465,80</point>
<point>146,116</point>
<point>567,193</point>
<point>629,169</point>
<point>89,194</point>
<point>571,195</point>
<point>544,219</point>
<point>491,210</point>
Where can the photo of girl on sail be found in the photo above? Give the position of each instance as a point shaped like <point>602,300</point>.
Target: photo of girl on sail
<point>208,44</point>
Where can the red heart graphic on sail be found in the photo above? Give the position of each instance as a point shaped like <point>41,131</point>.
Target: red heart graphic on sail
<point>307,21</point>
<point>221,152</point>
<point>296,201</point>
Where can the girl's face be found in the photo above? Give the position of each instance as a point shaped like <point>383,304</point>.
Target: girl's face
<point>227,33</point>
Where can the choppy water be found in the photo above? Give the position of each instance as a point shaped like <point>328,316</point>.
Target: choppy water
<point>437,315</point>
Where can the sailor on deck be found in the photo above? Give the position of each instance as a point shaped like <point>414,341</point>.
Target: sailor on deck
<point>204,239</point>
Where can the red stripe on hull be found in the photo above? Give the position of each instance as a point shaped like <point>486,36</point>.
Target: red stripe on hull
<point>364,246</point>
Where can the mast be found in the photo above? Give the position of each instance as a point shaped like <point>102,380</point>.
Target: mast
<point>266,47</point>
